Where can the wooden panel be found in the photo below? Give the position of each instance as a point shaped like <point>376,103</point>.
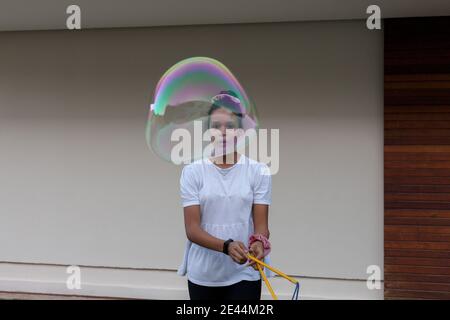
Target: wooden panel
<point>420,116</point>
<point>416,205</point>
<point>402,124</point>
<point>423,286</point>
<point>400,188</point>
<point>416,132</point>
<point>417,197</point>
<point>418,228</point>
<point>416,109</point>
<point>417,245</point>
<point>389,236</point>
<point>418,253</point>
<point>417,158</point>
<point>417,294</point>
<point>408,156</point>
<point>442,271</point>
<point>418,140</point>
<point>405,180</point>
<point>417,213</point>
<point>404,172</point>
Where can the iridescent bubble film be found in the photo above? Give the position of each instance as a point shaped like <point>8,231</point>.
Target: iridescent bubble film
<point>186,98</point>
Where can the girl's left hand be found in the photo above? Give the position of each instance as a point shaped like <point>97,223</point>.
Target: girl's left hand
<point>256,250</point>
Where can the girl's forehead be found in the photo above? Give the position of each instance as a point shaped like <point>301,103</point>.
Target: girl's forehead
<point>222,114</point>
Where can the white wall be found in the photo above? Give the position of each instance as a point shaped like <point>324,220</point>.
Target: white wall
<point>79,185</point>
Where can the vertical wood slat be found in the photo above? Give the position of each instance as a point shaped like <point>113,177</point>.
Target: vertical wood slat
<point>417,158</point>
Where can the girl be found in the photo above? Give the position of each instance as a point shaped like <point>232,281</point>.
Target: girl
<point>226,205</point>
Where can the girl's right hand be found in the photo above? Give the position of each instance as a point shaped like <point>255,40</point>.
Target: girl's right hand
<point>238,252</point>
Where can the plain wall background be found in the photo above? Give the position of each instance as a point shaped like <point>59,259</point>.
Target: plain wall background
<point>80,186</point>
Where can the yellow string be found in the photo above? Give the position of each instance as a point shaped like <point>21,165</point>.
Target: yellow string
<point>259,262</point>
<point>274,296</point>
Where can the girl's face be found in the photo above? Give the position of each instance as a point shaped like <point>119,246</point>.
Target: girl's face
<point>227,124</point>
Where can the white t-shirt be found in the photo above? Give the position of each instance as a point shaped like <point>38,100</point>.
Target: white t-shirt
<point>225,197</point>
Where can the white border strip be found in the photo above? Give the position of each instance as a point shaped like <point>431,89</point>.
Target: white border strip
<point>157,284</point>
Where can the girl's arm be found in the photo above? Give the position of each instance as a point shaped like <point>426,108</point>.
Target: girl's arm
<point>261,219</point>
<point>196,234</point>
<point>261,224</point>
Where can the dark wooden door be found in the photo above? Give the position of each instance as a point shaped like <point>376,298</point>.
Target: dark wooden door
<point>417,158</point>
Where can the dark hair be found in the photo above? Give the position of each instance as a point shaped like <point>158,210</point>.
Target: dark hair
<point>226,103</point>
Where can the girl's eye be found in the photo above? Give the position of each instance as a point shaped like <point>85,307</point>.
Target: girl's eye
<point>215,126</point>
<point>231,126</point>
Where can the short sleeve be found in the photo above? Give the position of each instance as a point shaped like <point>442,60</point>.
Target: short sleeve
<point>189,188</point>
<point>262,192</point>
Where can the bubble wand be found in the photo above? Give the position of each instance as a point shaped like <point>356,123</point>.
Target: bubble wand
<point>260,263</point>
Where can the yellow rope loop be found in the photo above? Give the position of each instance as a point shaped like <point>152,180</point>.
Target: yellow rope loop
<point>274,296</point>
<point>259,262</point>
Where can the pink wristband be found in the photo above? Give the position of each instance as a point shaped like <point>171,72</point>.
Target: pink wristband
<point>265,242</point>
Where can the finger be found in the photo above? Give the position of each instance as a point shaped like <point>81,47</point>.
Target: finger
<point>240,257</point>
<point>260,254</point>
<point>242,260</point>
<point>243,247</point>
<point>231,254</point>
<point>235,257</point>
<point>241,252</point>
<point>255,254</point>
<point>235,254</point>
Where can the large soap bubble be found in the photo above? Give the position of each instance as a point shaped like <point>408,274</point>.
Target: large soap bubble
<point>184,98</point>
